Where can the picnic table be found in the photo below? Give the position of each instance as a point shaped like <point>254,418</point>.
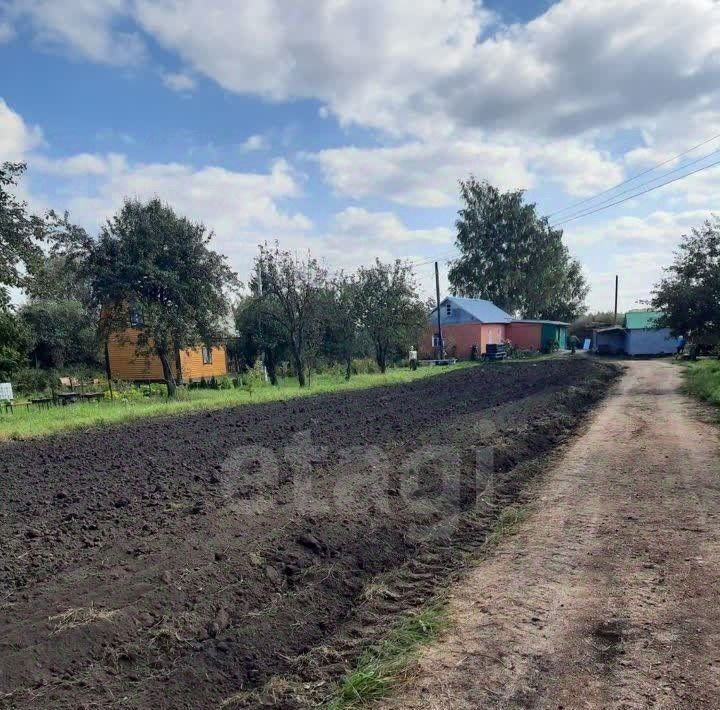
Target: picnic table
<point>71,397</point>
<point>41,402</point>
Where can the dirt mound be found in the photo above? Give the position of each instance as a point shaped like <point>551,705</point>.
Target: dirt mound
<point>187,562</point>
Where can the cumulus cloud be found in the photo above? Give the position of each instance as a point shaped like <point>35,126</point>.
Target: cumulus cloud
<point>425,173</point>
<point>178,81</point>
<point>410,67</point>
<point>6,31</point>
<point>89,28</point>
<point>17,139</point>
<point>253,143</point>
<point>368,228</point>
<point>421,173</point>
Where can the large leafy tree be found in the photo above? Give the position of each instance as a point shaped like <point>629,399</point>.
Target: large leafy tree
<point>292,291</point>
<point>14,338</point>
<point>61,332</point>
<point>342,335</point>
<point>20,232</point>
<point>259,334</point>
<point>149,259</point>
<point>513,257</point>
<point>388,308</point>
<point>689,293</point>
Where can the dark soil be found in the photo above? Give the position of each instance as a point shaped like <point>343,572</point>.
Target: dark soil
<point>246,556</point>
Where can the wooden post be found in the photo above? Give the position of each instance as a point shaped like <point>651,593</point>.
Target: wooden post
<point>437,296</point>
<point>616,300</point>
<point>108,372</point>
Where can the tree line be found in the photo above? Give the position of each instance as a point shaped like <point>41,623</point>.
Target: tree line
<point>146,258</point>
<point>151,264</point>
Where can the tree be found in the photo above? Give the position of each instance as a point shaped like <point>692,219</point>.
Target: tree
<point>150,260</point>
<point>260,334</point>
<point>61,331</point>
<point>13,338</point>
<point>20,233</point>
<point>514,258</point>
<point>292,291</point>
<point>388,307</point>
<point>342,331</point>
<point>689,293</point>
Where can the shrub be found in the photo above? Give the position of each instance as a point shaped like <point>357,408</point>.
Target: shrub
<point>365,366</point>
<point>29,380</point>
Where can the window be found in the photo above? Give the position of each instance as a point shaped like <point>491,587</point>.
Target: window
<point>448,309</point>
<point>136,318</point>
<point>207,355</point>
<point>436,341</point>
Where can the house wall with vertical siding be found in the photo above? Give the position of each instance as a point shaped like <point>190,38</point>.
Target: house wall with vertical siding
<point>525,336</point>
<point>650,341</point>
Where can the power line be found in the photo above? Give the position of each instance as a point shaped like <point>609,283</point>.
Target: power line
<point>644,192</point>
<point>634,177</point>
<point>644,184</point>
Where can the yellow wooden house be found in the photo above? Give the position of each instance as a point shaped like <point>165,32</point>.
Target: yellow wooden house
<point>190,365</point>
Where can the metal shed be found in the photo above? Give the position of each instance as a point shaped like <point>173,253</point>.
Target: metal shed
<point>643,337</point>
<point>609,341</point>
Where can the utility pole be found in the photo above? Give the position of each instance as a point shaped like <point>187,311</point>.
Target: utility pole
<point>616,297</point>
<point>437,295</point>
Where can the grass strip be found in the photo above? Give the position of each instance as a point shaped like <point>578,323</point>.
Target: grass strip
<point>31,423</point>
<point>383,665</point>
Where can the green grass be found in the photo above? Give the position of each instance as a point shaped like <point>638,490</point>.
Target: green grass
<point>23,423</point>
<point>508,523</point>
<point>703,380</point>
<point>380,668</point>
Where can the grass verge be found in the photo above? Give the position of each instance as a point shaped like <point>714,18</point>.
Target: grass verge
<point>25,424</point>
<point>382,666</point>
<point>508,523</point>
<point>702,380</point>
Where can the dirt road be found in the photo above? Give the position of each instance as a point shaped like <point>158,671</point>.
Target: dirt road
<point>608,597</point>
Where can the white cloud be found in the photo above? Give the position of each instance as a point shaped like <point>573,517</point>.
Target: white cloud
<point>368,228</point>
<point>253,143</point>
<point>661,228</point>
<point>423,174</point>
<point>7,31</point>
<point>426,173</point>
<point>180,82</point>
<point>85,27</point>
<point>16,137</point>
<point>241,208</point>
<point>83,164</point>
<point>425,67</point>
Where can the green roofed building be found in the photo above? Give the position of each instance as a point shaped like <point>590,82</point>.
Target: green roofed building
<point>639,335</point>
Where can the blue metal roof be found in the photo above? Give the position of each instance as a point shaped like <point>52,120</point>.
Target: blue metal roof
<point>483,311</point>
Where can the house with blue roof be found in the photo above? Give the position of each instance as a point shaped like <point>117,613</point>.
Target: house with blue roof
<point>465,322</point>
<point>474,323</point>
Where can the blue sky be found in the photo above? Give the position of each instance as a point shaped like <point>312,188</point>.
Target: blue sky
<point>342,126</point>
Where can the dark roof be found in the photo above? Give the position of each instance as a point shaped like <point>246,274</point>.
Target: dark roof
<point>484,311</point>
<point>541,322</point>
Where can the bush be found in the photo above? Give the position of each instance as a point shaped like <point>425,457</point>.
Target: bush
<point>30,380</point>
<point>365,366</point>
<point>703,380</point>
